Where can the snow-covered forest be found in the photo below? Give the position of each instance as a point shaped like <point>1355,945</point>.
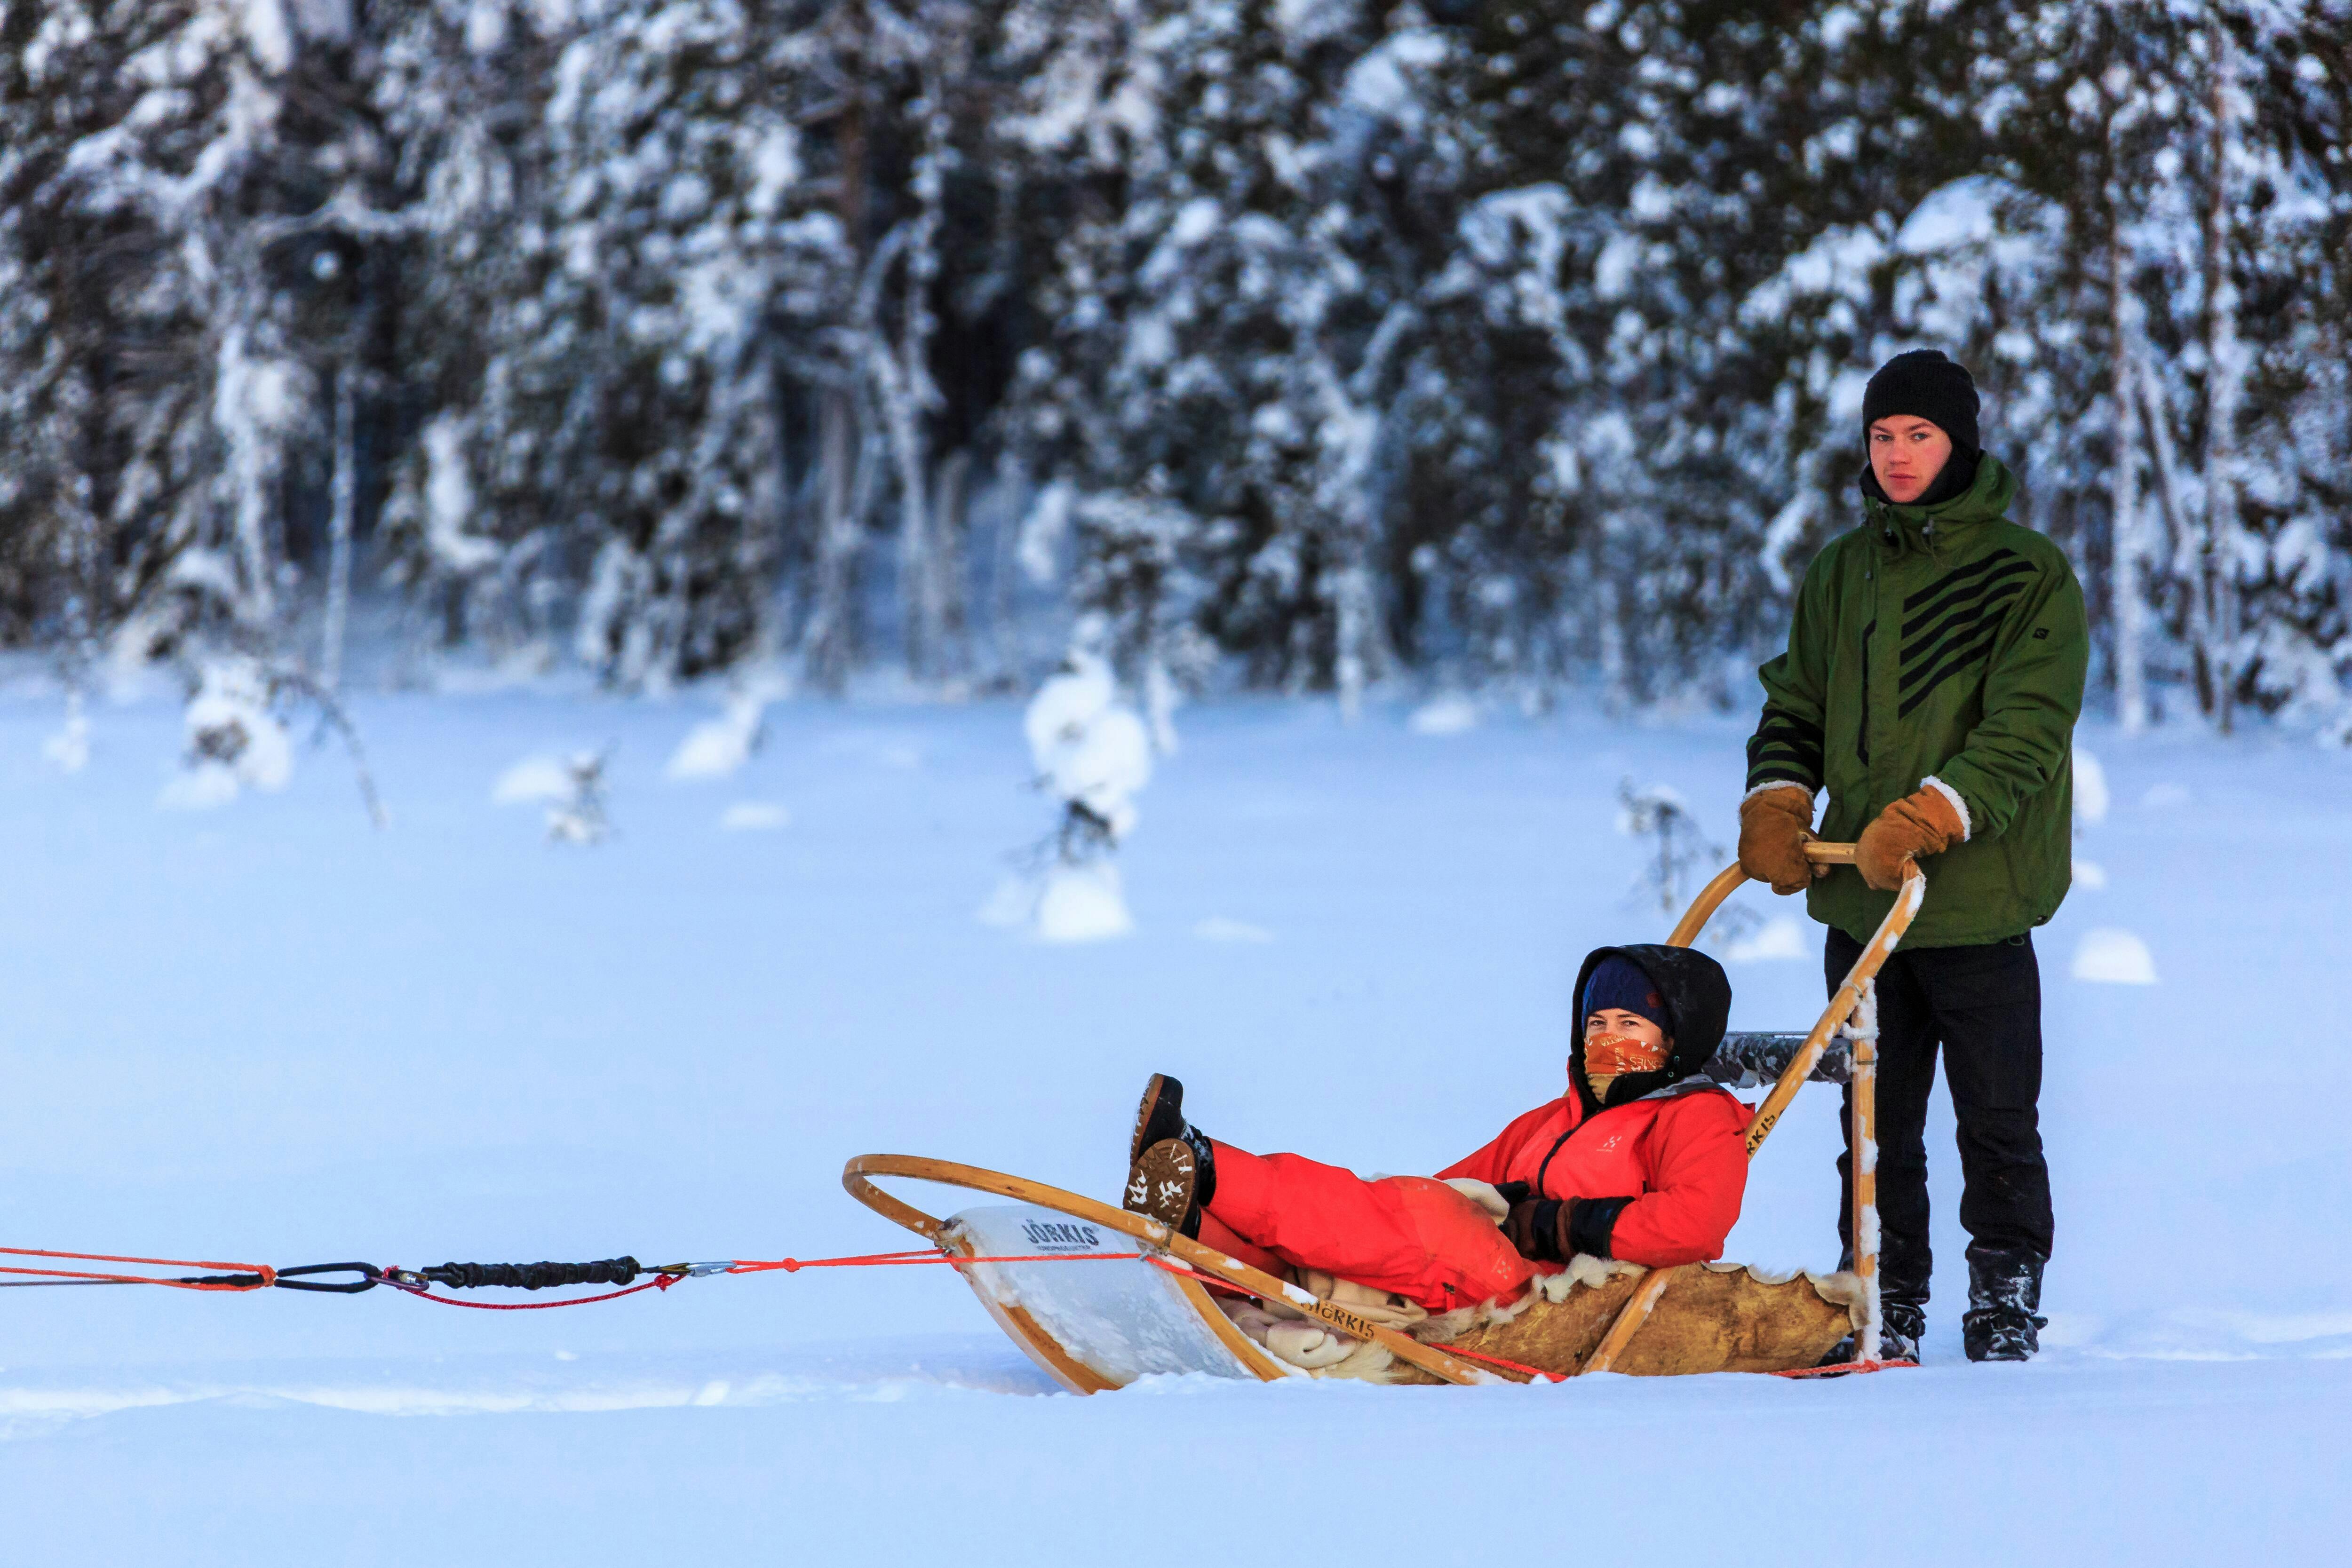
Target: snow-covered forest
<point>1300,343</point>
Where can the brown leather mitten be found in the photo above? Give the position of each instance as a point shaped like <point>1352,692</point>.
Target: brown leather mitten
<point>1775,825</point>
<point>1921,823</point>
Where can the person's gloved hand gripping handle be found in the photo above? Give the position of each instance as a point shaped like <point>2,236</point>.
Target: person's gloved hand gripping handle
<point>1924,822</point>
<point>1776,823</point>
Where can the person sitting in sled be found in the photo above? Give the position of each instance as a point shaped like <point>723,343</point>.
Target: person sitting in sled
<point>1640,1159</point>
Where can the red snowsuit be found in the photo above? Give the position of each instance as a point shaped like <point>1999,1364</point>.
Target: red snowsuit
<point>1680,1158</point>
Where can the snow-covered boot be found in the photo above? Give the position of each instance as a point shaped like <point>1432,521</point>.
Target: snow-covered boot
<point>2002,1323</point>
<point>1165,1183</point>
<point>1900,1326</point>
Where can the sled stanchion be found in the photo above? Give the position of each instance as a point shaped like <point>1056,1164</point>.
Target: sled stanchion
<point>1866,967</point>
<point>1864,1088</point>
<point>1635,1313</point>
<point>856,1178</point>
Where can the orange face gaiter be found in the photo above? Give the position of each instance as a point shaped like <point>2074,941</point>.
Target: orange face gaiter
<point>1614,1055</point>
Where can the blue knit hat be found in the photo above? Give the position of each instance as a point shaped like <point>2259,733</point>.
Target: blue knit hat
<point>1619,982</point>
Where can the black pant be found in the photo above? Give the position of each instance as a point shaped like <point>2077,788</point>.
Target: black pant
<point>1983,1006</point>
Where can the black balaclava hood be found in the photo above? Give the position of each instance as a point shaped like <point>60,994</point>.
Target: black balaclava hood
<point>1697,997</point>
<point>1926,385</point>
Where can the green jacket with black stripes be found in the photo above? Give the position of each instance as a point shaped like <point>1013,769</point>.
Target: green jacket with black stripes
<point>1943,644</point>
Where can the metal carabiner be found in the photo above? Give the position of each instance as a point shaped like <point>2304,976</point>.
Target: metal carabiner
<point>369,1276</point>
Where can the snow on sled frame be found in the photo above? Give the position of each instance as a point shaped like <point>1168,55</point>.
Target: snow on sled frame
<point>1100,1323</point>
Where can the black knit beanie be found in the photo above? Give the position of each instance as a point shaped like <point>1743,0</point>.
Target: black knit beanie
<point>1926,385</point>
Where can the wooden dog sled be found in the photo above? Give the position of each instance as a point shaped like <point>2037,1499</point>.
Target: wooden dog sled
<point>1165,1303</point>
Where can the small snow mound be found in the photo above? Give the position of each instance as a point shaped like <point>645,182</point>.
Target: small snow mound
<point>1082,904</point>
<point>532,781</point>
<point>204,787</point>
<point>2164,797</point>
<point>2111,956</point>
<point>1217,928</point>
<point>2090,874</point>
<point>717,746</point>
<point>1452,714</point>
<point>1781,937</point>
<point>754,816</point>
<point>67,751</point>
<point>2090,796</point>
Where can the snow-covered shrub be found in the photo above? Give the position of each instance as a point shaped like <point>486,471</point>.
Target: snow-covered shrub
<point>578,817</point>
<point>1092,753</point>
<point>236,732</point>
<point>570,789</point>
<point>233,739</point>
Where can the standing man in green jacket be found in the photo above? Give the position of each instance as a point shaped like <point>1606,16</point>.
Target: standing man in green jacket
<point>1934,674</point>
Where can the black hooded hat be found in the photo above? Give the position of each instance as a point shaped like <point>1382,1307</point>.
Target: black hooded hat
<point>1697,995</point>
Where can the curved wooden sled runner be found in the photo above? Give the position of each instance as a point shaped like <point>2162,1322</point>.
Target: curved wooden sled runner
<point>1183,1307</point>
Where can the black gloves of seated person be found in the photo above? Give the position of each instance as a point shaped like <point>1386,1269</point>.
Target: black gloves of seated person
<point>1554,1229</point>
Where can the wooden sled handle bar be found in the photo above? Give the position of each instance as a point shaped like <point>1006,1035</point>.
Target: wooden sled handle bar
<point>1636,1310</point>
<point>1726,882</point>
<point>857,1175</point>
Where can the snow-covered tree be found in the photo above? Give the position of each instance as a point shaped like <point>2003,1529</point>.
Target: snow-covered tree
<point>1510,344</point>
<point>1092,755</point>
<point>628,283</point>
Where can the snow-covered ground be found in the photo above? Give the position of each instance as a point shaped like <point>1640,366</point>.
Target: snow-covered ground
<point>267,1032</point>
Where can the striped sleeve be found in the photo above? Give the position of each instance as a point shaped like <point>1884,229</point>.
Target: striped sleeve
<point>1787,745</point>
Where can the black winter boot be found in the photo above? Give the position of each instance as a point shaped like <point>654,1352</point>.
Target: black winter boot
<point>1171,1171</point>
<point>1160,1115</point>
<point>2004,1299</point>
<point>1902,1313</point>
<point>1900,1325</point>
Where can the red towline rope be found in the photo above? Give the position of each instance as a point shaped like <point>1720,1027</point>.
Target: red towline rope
<point>918,1256</point>
<point>261,1276</point>
<point>264,1276</point>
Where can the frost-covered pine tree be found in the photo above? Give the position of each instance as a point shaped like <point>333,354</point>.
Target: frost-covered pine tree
<point>1228,344</point>
<point>1310,340</point>
<point>170,237</point>
<point>635,271</point>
